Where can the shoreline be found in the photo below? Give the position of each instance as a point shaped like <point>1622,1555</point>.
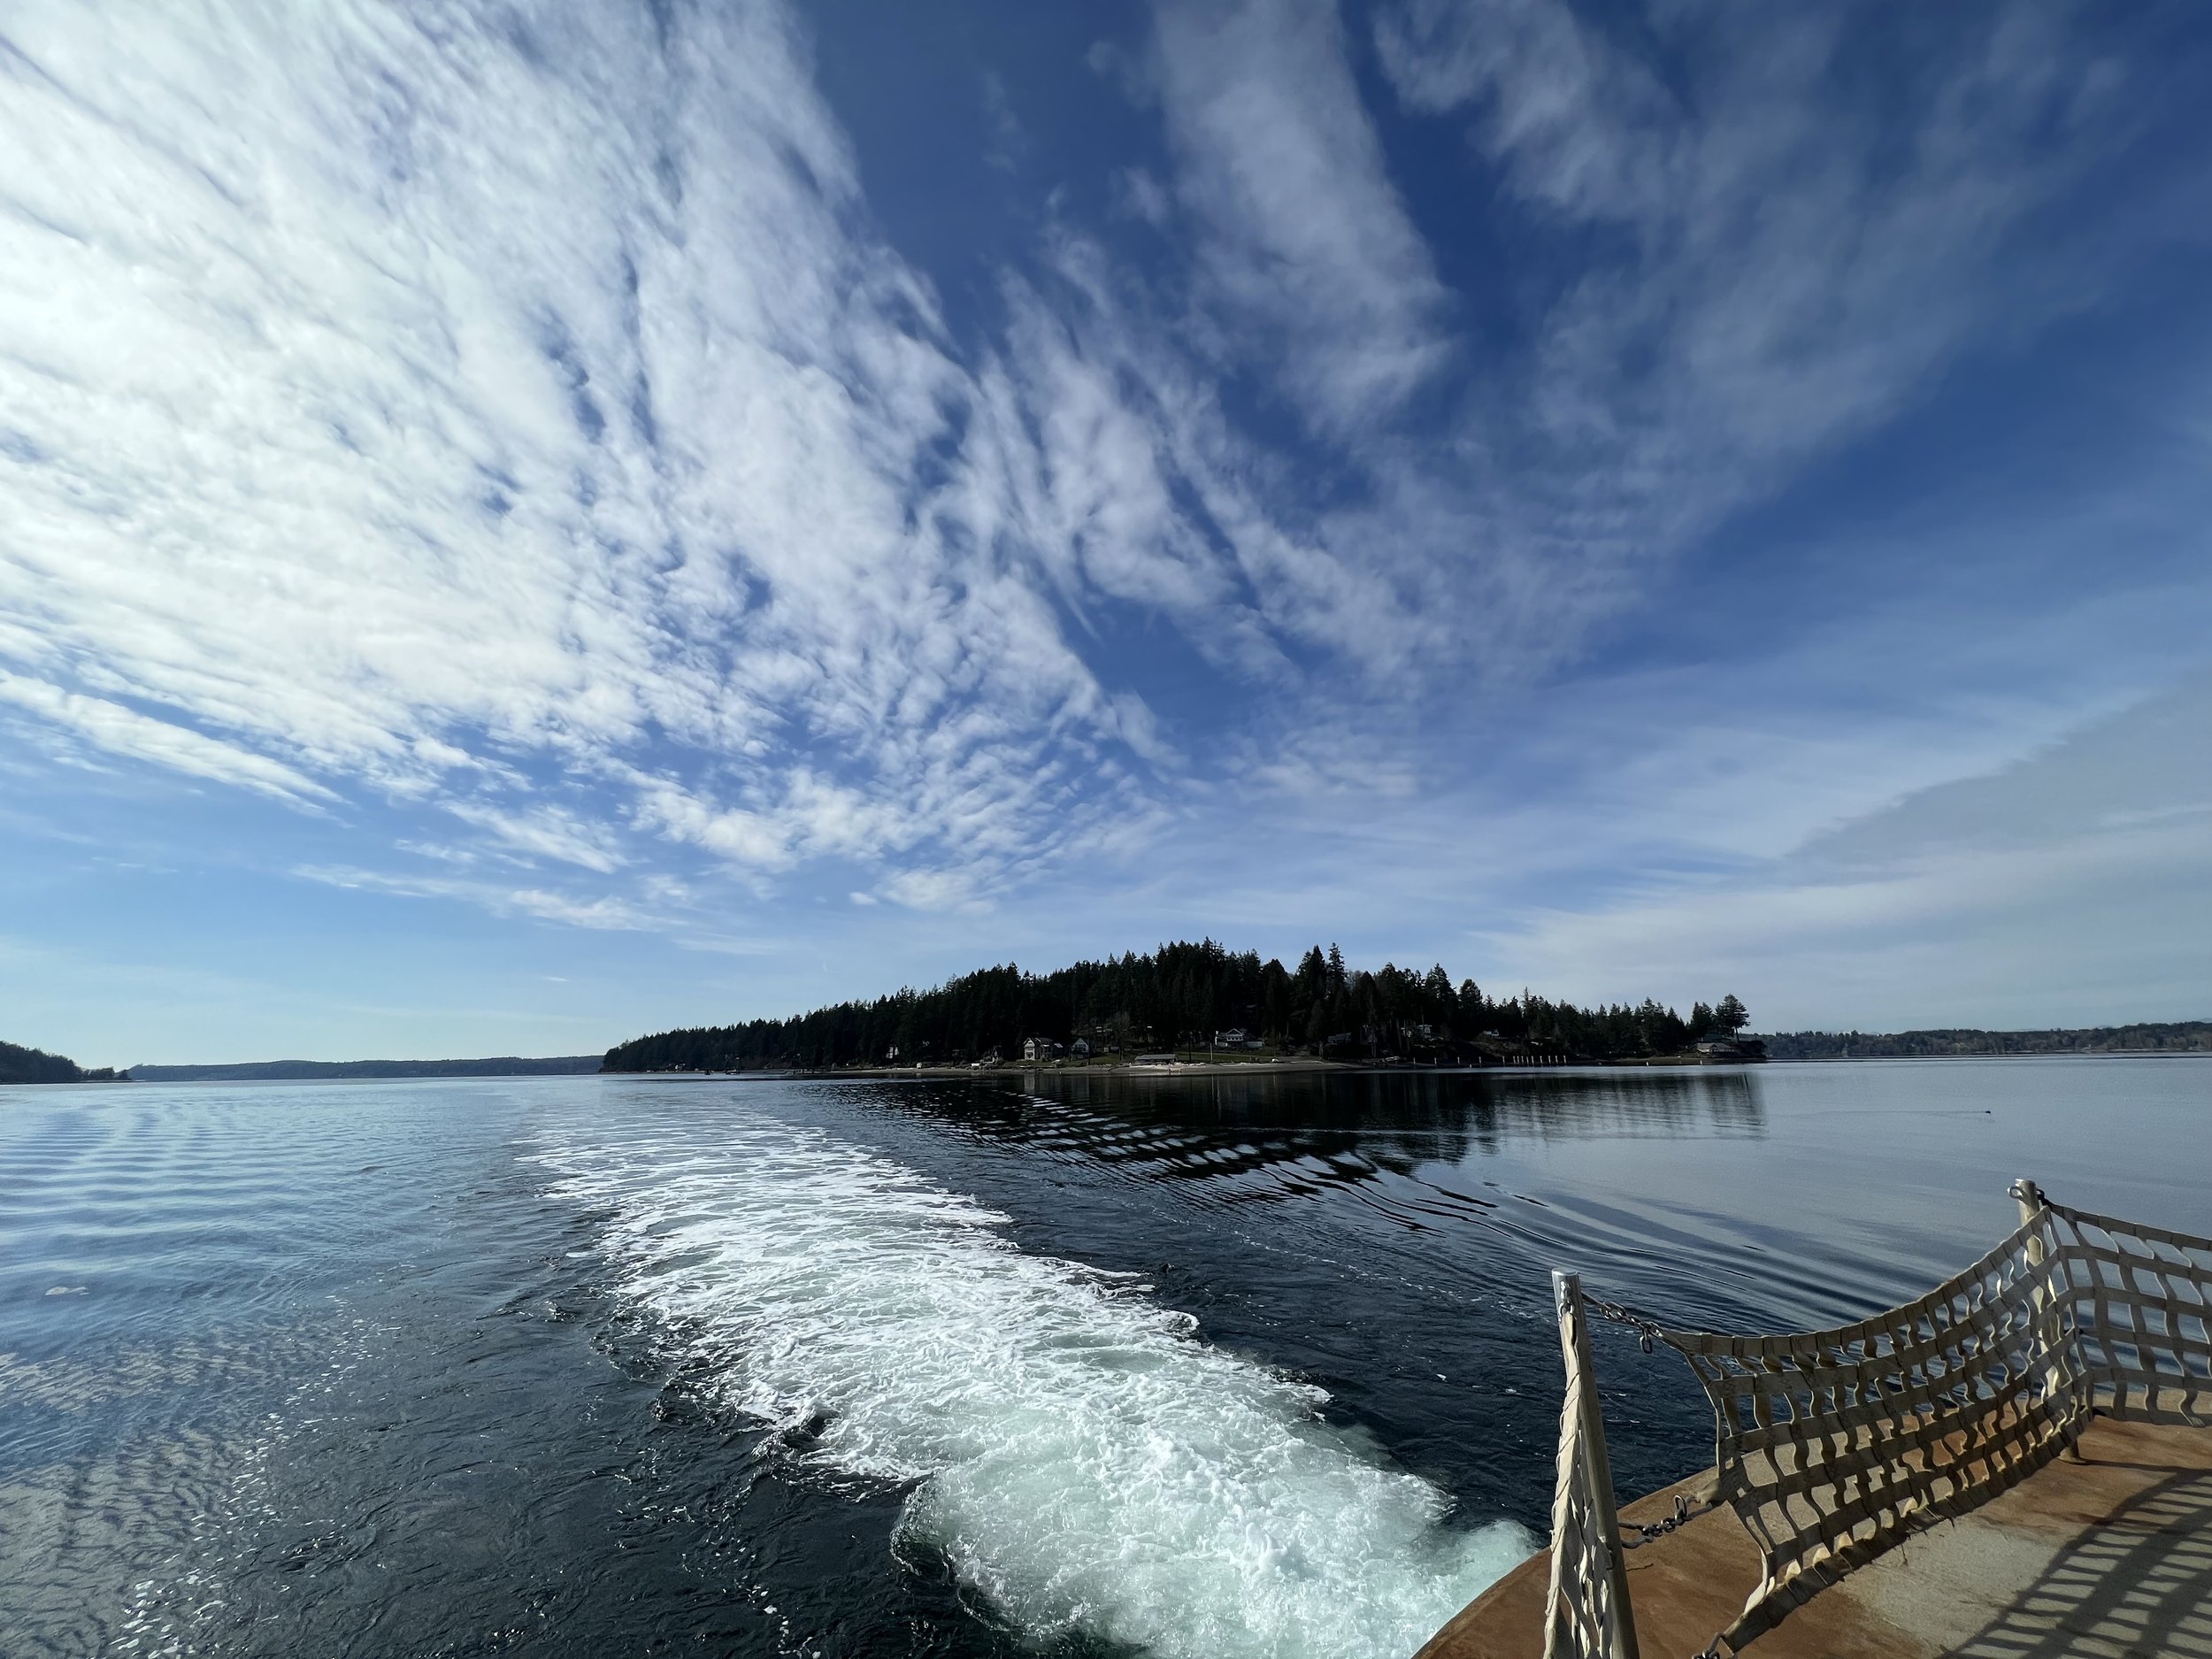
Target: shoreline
<point>1308,1063</point>
<point>892,1073</point>
<point>1304,1063</point>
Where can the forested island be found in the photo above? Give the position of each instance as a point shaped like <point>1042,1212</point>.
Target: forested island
<point>2187,1036</point>
<point>1186,997</point>
<point>18,1064</point>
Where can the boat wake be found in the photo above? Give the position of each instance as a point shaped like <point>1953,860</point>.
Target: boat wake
<point>1078,1454</point>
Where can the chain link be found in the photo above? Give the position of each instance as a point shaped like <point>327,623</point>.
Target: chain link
<point>1648,1330</point>
<point>1682,1517</point>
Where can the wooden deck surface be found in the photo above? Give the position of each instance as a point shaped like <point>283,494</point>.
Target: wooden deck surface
<point>2110,1557</point>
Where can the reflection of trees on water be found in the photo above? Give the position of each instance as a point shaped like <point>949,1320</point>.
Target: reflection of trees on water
<point>1234,1157</point>
<point>1285,1134</point>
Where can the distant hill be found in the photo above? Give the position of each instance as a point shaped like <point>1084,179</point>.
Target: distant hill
<point>310,1071</point>
<point>2188,1036</point>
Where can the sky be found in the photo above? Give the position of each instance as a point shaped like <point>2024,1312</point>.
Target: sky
<point>522,525</point>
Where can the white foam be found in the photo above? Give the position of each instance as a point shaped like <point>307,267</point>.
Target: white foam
<point>1082,1456</point>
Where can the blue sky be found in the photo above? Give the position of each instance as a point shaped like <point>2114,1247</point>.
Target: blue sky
<point>528,524</point>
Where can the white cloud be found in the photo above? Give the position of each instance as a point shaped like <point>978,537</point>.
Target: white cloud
<point>931,890</point>
<point>1139,488</point>
<point>125,730</point>
<point>2073,884</point>
<point>1707,277</point>
<point>603,912</point>
<point>1942,938</point>
<point>512,415</point>
<point>524,423</point>
<point>548,831</point>
<point>1303,238</point>
<point>1750,259</point>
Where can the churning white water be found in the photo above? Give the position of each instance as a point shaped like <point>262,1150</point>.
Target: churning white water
<point>1082,1456</point>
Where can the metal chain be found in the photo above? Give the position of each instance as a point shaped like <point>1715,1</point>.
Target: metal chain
<point>1648,1330</point>
<point>1682,1517</point>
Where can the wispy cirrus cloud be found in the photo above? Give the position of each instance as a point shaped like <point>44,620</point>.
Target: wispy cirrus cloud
<point>511,411</point>
<point>1739,259</point>
<point>602,911</point>
<point>1302,243</point>
<point>1713,258</point>
<point>512,433</point>
<point>1954,885</point>
<point>546,832</point>
<point>122,730</point>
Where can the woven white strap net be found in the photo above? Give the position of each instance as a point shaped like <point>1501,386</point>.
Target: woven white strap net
<point>2138,1301</point>
<point>1833,1445</point>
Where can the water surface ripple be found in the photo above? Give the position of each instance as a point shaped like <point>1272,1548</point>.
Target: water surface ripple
<point>1184,1366</point>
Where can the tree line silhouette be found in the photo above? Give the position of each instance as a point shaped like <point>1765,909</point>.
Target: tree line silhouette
<point>2186,1036</point>
<point>18,1064</point>
<point>1184,995</point>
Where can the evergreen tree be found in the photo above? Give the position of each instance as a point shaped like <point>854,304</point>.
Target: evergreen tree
<point>18,1064</point>
<point>1442,1002</point>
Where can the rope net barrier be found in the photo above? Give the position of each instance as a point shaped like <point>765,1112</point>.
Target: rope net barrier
<point>1833,1446</point>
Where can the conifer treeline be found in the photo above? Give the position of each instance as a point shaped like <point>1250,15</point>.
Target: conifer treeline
<point>18,1064</point>
<point>1177,997</point>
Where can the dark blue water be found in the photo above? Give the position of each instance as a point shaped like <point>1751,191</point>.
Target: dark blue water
<point>1186,1366</point>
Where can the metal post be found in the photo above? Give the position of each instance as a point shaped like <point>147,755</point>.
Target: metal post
<point>2046,1301</point>
<point>1584,1480</point>
<point>2029,1196</point>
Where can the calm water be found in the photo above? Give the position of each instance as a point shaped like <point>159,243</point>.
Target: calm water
<point>1206,1367</point>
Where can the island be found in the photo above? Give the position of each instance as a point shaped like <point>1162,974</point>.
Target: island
<point>1200,1002</point>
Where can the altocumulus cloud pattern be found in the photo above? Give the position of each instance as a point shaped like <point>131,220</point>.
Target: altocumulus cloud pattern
<point>524,418</point>
<point>444,403</point>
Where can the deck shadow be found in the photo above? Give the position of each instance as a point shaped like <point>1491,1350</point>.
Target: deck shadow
<point>2137,1585</point>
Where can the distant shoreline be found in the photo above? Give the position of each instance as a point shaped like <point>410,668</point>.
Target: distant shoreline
<point>1308,1063</point>
<point>1303,1065</point>
<point>1186,1068</point>
<point>319,1070</point>
<point>2139,1039</point>
<point>2002,1053</point>
<point>589,1065</point>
